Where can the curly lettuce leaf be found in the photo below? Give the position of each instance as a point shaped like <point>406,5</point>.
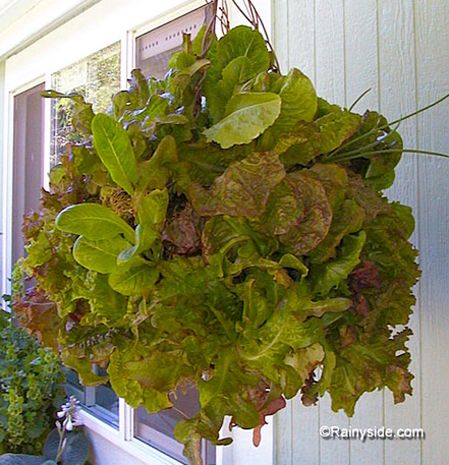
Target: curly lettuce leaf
<point>298,213</point>
<point>331,274</point>
<point>242,190</point>
<point>361,368</point>
<point>299,101</point>
<point>143,379</point>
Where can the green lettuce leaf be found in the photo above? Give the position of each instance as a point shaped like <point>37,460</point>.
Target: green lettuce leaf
<point>299,146</point>
<point>143,379</point>
<point>299,101</point>
<point>332,273</point>
<point>337,127</point>
<point>348,219</point>
<point>114,148</point>
<point>151,214</point>
<point>235,73</point>
<point>155,172</point>
<point>104,304</point>
<point>133,278</point>
<point>100,256</point>
<point>238,56</point>
<point>247,116</point>
<point>364,368</point>
<point>93,221</point>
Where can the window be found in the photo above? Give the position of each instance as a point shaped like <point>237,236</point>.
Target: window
<point>97,78</point>
<point>157,429</point>
<point>155,47</point>
<point>100,401</point>
<point>28,159</point>
<point>153,51</point>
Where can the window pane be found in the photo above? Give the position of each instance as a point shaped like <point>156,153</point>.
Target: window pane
<point>155,47</point>
<point>157,429</point>
<point>97,78</point>
<point>101,401</point>
<point>28,157</point>
<point>105,403</point>
<point>72,385</point>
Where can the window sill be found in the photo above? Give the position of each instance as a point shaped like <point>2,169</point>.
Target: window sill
<point>133,447</point>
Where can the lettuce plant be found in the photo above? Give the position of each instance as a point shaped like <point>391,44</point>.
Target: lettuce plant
<point>225,228</point>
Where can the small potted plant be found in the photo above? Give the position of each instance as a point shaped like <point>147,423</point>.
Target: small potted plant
<point>65,445</point>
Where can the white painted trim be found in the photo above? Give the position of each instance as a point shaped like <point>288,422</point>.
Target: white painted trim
<point>7,193</point>
<point>47,135</point>
<point>166,17</point>
<point>132,446</point>
<point>43,17</point>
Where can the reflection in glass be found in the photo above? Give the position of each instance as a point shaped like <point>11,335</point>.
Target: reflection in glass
<point>106,401</point>
<point>157,429</point>
<point>101,401</point>
<point>154,49</point>
<point>97,79</point>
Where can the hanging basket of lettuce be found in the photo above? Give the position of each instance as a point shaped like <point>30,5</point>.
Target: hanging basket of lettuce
<point>225,228</point>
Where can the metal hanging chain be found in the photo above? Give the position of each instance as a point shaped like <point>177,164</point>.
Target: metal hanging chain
<point>220,14</point>
<point>209,33</point>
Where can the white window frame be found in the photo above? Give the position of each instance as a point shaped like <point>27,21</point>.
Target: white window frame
<point>22,73</point>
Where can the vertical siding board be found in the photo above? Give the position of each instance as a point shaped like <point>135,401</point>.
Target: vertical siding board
<point>361,52</point>
<point>306,439</point>
<point>397,65</point>
<point>332,451</point>
<point>432,58</point>
<point>368,414</point>
<point>330,62</point>
<point>283,431</point>
<point>281,38</point>
<point>301,36</point>
<point>2,165</point>
<point>361,73</point>
<point>400,49</point>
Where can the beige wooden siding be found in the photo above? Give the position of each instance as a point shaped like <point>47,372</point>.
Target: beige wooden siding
<point>399,49</point>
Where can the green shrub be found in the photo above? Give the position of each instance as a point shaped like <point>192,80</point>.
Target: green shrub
<point>31,388</point>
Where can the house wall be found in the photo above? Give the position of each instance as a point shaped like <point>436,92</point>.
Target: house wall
<point>399,49</point>
<point>2,122</point>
